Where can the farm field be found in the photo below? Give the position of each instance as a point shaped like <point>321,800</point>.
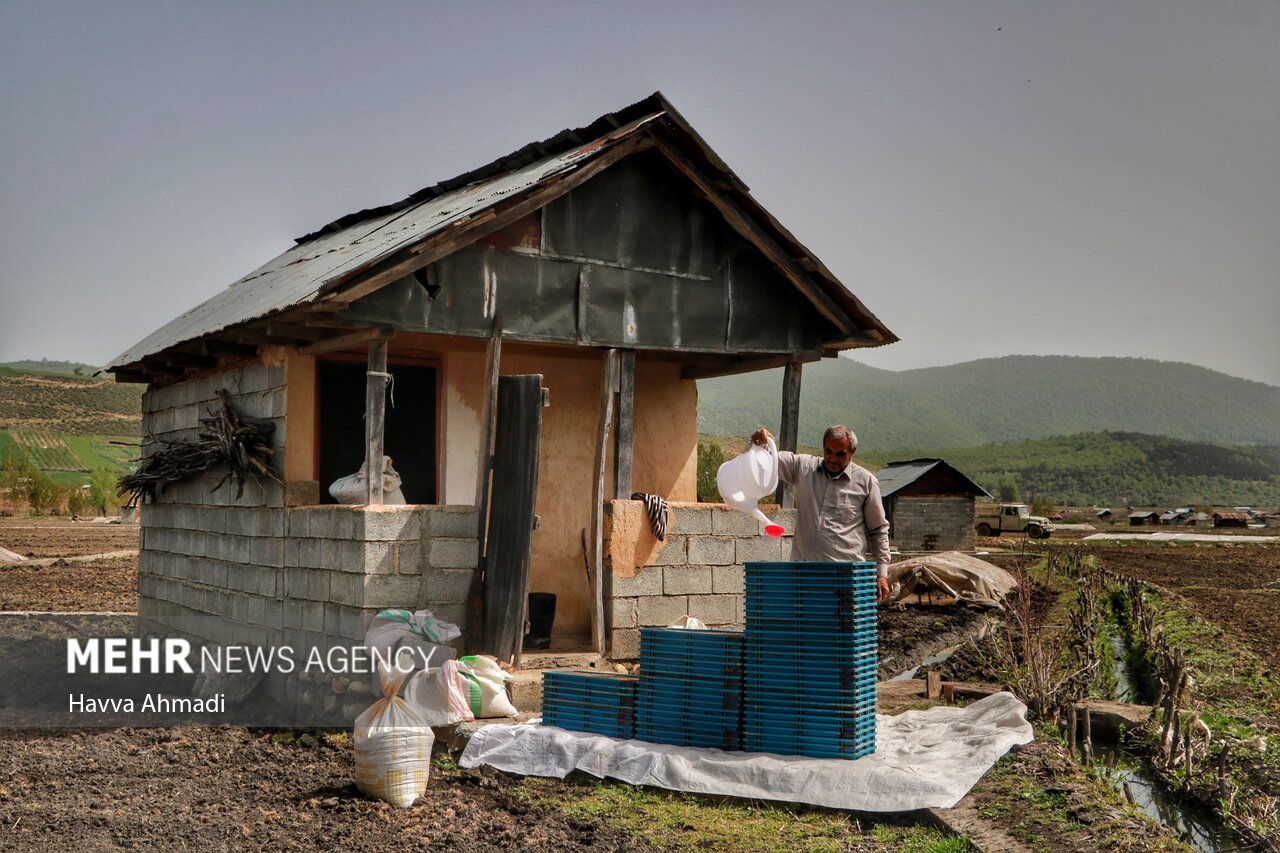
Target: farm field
<point>235,788</point>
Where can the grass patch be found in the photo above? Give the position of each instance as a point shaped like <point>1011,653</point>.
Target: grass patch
<point>688,822</point>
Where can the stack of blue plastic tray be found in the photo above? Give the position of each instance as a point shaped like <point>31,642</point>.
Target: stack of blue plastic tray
<point>809,659</point>
<point>602,703</point>
<point>690,690</point>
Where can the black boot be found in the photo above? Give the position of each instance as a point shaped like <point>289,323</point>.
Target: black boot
<point>542,613</point>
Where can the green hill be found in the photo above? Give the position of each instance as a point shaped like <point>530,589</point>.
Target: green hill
<point>1000,400</point>
<point>44,365</point>
<point>70,404</point>
<point>1117,469</point>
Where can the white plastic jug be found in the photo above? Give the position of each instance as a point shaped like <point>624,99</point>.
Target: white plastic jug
<point>745,479</point>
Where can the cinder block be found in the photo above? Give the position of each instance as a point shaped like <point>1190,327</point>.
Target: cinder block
<point>343,555</point>
<point>291,613</point>
<point>711,550</point>
<point>661,610</point>
<point>624,643</point>
<point>784,517</point>
<point>714,609</point>
<point>727,579</point>
<point>267,552</point>
<point>440,585</point>
<point>453,611</point>
<point>313,616</point>
<point>691,521</point>
<point>387,523</point>
<point>391,591</point>
<point>762,549</point>
<point>453,522</point>
<point>378,558</point>
<point>453,553</point>
<point>346,588</point>
<point>728,522</point>
<point>674,552</point>
<point>339,522</point>
<point>621,613</point>
<point>299,522</point>
<point>408,558</point>
<point>646,581</point>
<point>685,580</point>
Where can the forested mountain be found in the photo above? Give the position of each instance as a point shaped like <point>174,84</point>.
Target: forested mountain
<point>1116,469</point>
<point>1000,400</point>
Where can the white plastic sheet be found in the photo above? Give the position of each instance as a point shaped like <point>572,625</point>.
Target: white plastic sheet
<point>924,759</point>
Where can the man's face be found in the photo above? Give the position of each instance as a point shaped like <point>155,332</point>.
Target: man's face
<point>836,454</point>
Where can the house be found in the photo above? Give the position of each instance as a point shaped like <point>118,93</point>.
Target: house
<point>1175,516</point>
<point>1231,519</point>
<point>1144,517</point>
<point>930,505</point>
<point>542,321</point>
<point>1103,514</point>
<point>1198,518</point>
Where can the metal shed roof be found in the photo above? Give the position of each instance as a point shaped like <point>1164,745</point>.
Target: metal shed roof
<point>353,245</point>
<point>897,475</point>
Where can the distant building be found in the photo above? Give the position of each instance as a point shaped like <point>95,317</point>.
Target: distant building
<point>1143,518</point>
<point>1231,519</point>
<point>930,505</point>
<point>1104,514</point>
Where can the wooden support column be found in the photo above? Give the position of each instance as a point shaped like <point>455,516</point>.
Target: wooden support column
<point>623,450</point>
<point>484,470</point>
<point>789,434</point>
<point>375,415</point>
<point>608,381</point>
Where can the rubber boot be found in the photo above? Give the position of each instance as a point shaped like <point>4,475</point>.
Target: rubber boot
<point>542,614</point>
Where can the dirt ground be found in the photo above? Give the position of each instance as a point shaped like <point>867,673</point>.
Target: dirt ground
<point>243,789</point>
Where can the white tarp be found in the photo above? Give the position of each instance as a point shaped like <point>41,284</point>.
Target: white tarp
<point>951,573</point>
<point>926,758</point>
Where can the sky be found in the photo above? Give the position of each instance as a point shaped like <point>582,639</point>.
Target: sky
<point>989,178</point>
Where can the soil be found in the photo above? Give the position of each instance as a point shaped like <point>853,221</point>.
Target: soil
<point>234,788</point>
<point>1224,584</point>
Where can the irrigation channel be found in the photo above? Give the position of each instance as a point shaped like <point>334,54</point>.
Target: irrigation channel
<point>1131,777</point>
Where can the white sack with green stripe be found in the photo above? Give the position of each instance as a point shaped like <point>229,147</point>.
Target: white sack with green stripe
<point>488,684</point>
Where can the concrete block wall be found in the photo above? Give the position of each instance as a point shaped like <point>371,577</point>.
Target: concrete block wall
<point>698,572</point>
<point>933,523</point>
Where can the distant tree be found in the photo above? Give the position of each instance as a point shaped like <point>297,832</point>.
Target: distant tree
<point>1008,488</point>
<point>78,501</point>
<point>42,492</point>
<point>103,492</point>
<point>710,458</point>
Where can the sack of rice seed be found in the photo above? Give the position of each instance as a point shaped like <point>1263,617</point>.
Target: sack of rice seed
<point>393,747</point>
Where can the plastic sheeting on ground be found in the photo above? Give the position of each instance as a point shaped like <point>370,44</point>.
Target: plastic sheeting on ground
<point>924,759</point>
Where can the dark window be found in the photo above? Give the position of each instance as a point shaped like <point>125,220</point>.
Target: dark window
<point>410,434</point>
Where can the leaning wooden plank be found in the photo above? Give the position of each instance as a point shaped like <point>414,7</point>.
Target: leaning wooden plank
<point>625,439</point>
<point>603,428</point>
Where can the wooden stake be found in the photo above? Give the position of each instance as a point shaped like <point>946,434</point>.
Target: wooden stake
<point>1072,726</point>
<point>932,684</point>
<point>603,428</point>
<point>375,414</point>
<point>1087,743</point>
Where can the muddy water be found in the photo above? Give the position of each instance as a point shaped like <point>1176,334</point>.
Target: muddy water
<point>1199,829</point>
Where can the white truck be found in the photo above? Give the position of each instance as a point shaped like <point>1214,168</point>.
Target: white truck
<point>994,519</point>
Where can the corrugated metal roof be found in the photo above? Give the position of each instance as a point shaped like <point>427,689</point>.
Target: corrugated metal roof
<point>334,254</point>
<point>898,475</point>
<point>301,274</point>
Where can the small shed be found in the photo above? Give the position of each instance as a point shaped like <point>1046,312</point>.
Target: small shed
<point>1103,514</point>
<point>930,505</point>
<point>545,319</point>
<point>1144,518</point>
<point>1231,519</point>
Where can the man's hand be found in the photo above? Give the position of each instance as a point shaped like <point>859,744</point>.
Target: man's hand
<point>882,589</point>
<point>761,437</point>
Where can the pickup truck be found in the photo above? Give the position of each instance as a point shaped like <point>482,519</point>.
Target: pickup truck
<point>994,519</point>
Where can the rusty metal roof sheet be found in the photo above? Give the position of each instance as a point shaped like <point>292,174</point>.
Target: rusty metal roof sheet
<point>332,255</point>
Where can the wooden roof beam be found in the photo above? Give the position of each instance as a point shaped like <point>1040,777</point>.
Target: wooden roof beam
<point>341,342</point>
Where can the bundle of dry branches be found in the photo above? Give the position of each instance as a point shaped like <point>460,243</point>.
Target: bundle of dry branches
<point>243,444</point>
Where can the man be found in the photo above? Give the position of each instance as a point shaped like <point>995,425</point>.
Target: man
<point>840,516</point>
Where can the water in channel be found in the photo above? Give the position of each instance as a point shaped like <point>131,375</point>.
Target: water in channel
<point>1200,830</point>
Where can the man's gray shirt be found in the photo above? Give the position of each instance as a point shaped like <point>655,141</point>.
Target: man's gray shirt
<point>840,518</point>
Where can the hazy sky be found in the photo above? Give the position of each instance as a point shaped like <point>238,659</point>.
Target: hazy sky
<point>990,178</point>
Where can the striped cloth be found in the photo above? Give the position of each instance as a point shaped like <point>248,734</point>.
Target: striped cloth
<point>657,509</point>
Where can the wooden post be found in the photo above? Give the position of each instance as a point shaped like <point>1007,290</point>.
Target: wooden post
<point>474,631</point>
<point>1072,726</point>
<point>789,433</point>
<point>949,693</point>
<point>932,684</point>
<point>603,428</point>
<point>1086,744</point>
<point>624,439</point>
<point>375,414</point>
